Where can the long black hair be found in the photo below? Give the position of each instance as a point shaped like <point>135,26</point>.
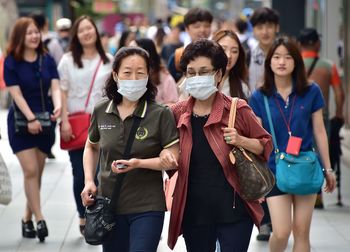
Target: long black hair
<point>76,48</point>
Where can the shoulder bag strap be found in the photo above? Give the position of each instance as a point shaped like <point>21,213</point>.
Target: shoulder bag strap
<point>43,107</point>
<point>232,117</point>
<point>231,123</point>
<point>41,83</point>
<point>269,118</point>
<point>120,177</point>
<point>92,84</point>
<point>309,72</point>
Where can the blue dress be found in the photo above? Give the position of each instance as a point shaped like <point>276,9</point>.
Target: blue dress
<point>26,75</point>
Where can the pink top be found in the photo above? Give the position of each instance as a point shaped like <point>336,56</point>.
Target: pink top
<point>167,89</point>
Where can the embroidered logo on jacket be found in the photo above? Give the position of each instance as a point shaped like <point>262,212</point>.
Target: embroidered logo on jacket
<point>141,133</point>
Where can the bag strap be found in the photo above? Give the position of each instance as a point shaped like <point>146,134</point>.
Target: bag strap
<point>43,107</point>
<point>231,123</point>
<point>269,118</point>
<point>126,155</point>
<point>232,117</point>
<point>92,84</point>
<point>41,83</point>
<point>309,72</point>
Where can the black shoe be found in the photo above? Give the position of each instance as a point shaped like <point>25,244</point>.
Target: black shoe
<point>51,155</point>
<point>264,233</point>
<point>28,230</point>
<point>42,231</point>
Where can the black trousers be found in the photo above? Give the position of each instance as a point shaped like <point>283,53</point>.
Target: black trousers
<point>233,237</point>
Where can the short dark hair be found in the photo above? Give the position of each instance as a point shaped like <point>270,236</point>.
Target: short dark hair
<point>242,25</point>
<point>111,88</point>
<point>264,15</point>
<point>75,46</point>
<point>308,36</point>
<point>197,15</point>
<point>204,48</point>
<point>39,18</point>
<point>298,74</point>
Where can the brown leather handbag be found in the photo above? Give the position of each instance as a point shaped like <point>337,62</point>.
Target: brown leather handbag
<point>255,177</point>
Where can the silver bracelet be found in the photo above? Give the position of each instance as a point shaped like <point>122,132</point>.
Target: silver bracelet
<point>328,171</point>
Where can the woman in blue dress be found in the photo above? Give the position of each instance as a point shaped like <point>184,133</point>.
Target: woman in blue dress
<point>296,110</point>
<point>22,73</point>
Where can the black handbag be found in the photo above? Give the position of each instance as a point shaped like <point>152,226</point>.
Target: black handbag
<point>100,217</point>
<point>21,122</point>
<point>255,178</point>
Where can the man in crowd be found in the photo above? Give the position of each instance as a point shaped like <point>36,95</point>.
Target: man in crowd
<point>324,72</point>
<point>265,23</point>
<point>197,23</point>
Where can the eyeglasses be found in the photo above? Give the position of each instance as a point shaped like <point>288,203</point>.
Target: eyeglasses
<point>203,72</point>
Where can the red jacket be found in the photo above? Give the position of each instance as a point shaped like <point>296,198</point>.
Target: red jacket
<point>246,125</point>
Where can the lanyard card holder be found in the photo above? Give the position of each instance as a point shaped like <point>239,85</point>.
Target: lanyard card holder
<point>293,146</point>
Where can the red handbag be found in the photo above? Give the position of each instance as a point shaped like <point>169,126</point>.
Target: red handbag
<point>79,122</point>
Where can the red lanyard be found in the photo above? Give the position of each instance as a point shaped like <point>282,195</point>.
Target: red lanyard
<point>290,116</point>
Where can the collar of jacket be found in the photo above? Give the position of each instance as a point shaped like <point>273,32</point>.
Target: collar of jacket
<point>216,114</point>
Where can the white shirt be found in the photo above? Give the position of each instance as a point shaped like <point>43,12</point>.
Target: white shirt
<point>256,68</point>
<point>225,88</point>
<point>76,81</point>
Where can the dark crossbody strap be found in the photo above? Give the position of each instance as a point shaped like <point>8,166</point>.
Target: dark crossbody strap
<point>40,74</point>
<point>120,177</point>
<point>309,72</point>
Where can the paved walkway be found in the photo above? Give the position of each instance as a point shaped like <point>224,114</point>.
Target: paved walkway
<point>330,229</point>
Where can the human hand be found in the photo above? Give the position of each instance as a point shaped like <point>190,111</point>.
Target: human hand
<point>167,159</point>
<point>231,136</point>
<point>122,165</point>
<point>66,131</point>
<point>34,127</point>
<point>330,182</point>
<point>88,194</point>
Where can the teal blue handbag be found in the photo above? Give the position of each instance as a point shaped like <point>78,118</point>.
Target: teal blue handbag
<point>300,175</point>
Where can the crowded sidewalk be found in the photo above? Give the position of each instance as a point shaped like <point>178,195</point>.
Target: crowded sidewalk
<point>330,228</point>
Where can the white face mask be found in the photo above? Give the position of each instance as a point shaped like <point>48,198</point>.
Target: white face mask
<point>132,89</point>
<point>201,87</point>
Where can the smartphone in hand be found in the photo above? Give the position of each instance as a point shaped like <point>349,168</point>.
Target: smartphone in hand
<point>121,166</point>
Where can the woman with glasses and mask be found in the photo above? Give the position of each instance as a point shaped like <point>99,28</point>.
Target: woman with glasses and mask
<point>140,207</point>
<point>29,74</point>
<point>234,82</point>
<point>207,204</point>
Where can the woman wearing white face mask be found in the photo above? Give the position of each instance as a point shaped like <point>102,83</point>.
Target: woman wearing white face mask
<point>207,205</point>
<point>141,203</point>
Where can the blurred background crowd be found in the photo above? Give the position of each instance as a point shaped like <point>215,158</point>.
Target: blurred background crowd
<point>120,22</point>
